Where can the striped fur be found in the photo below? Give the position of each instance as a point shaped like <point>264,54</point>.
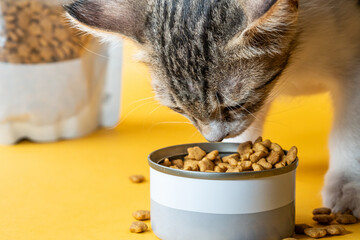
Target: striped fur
<point>211,60</point>
<point>207,69</point>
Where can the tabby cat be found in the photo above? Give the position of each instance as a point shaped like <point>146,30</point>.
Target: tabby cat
<point>220,62</point>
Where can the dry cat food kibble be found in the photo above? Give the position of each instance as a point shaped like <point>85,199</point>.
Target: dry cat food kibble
<point>36,32</point>
<point>322,210</point>
<point>346,218</point>
<point>141,215</point>
<point>324,216</point>
<point>137,178</point>
<point>138,227</point>
<point>257,156</point>
<point>335,230</point>
<point>318,232</point>
<point>315,232</point>
<point>299,228</point>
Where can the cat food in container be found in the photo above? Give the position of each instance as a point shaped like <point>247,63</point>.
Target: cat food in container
<point>227,206</point>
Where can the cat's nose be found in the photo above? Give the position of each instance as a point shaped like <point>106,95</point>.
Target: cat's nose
<point>214,131</point>
<point>218,138</point>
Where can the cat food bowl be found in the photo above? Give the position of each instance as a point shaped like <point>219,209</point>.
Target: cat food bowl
<point>189,205</point>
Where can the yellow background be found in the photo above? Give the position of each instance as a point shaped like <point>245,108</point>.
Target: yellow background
<point>79,189</point>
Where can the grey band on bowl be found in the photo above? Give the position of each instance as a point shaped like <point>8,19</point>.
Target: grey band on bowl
<point>224,148</point>
<point>174,224</point>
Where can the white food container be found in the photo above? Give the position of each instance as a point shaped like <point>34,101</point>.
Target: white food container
<point>55,83</point>
<point>220,206</point>
<point>61,100</point>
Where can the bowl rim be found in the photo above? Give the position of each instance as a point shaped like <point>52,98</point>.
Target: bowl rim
<point>210,175</point>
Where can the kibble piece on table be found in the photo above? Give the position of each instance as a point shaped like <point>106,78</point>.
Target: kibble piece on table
<point>141,215</point>
<point>324,218</point>
<point>346,219</point>
<point>299,228</point>
<point>322,210</point>
<point>138,227</point>
<point>137,178</point>
<point>315,232</point>
<point>335,230</point>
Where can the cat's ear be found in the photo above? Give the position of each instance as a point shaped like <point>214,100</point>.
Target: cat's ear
<point>270,27</point>
<point>126,17</point>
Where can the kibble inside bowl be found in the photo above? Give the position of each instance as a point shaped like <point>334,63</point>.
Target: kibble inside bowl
<point>220,205</point>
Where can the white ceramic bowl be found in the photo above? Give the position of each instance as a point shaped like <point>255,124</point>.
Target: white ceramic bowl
<point>220,206</point>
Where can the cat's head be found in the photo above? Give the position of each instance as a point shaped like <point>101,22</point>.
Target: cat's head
<point>214,61</point>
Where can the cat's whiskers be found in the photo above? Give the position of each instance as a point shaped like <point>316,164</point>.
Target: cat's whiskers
<point>154,110</point>
<point>254,128</point>
<point>168,122</point>
<point>233,111</point>
<point>230,108</point>
<point>95,53</point>
<point>264,113</point>
<point>194,134</point>
<point>141,100</point>
<point>174,122</point>
<point>131,111</point>
<point>274,94</point>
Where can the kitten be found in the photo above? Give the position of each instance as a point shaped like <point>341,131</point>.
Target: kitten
<point>221,62</point>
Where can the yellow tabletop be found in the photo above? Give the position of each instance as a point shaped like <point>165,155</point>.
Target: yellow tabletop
<point>79,189</point>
